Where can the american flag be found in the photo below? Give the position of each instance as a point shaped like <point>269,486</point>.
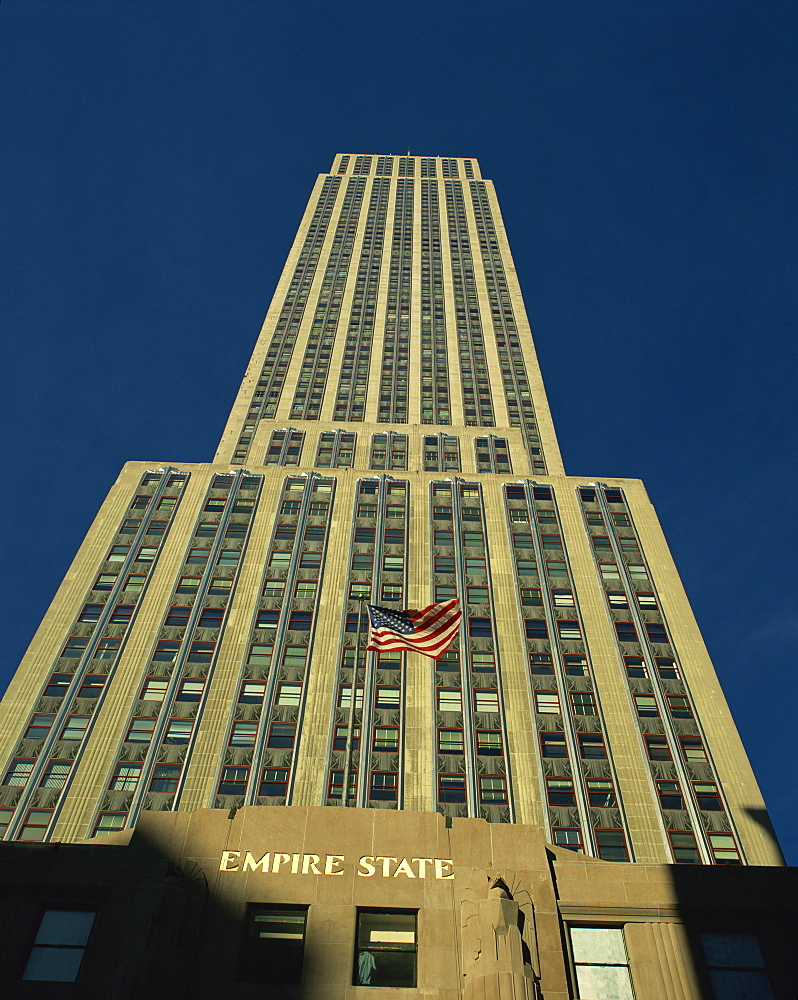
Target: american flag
<point>429,631</point>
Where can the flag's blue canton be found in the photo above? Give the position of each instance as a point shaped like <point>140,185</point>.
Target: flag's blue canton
<point>386,619</point>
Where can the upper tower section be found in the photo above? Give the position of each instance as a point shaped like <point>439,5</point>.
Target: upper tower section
<point>399,304</point>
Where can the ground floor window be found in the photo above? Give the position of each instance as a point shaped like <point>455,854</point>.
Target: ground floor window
<point>602,968</point>
<point>273,945</point>
<point>386,948</point>
<point>59,946</point>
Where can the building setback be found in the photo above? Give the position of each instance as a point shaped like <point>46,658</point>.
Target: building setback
<point>200,698</point>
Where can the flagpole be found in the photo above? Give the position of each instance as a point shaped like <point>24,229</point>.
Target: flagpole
<point>350,735</point>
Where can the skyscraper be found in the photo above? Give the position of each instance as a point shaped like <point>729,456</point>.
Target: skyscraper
<point>391,441</point>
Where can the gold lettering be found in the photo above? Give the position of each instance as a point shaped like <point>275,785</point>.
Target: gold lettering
<point>295,863</point>
<point>309,863</point>
<point>280,859</point>
<point>332,861</point>
<point>404,868</point>
<point>251,865</point>
<point>439,863</point>
<point>385,863</point>
<point>422,866</point>
<point>227,857</point>
<point>365,863</point>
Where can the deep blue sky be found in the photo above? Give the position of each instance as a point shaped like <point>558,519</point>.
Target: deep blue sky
<point>644,155</point>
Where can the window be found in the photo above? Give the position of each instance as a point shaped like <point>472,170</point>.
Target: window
<point>75,646</point>
<point>489,742</point>
<point>637,571</point>
<point>601,794</point>
<point>679,706</point>
<point>228,557</point>
<point>575,664</point>
<point>492,789</point>
<point>591,746</point>
<point>310,560</point>
<point>91,686</point>
<point>540,663</point>
<point>450,700</point>
<point>483,662</point>
<point>337,784</point>
<point>656,632</point>
<point>646,705</point>
<point>345,696</point>
<point>472,539</point>
<point>211,618</point>
<point>547,703</point>
<point>35,826</point>
<point>657,747</point>
<point>75,727</point>
<point>280,559</point>
<point>140,730</point>
<point>646,601</point>
<point>594,517</point>
<point>165,778</point>
<point>39,726</point>
<point>587,495</point>
<point>523,540</point>
<point>220,586</point>
<point>140,502</point>
<point>486,700</point>
<point>252,693</point>
<point>387,697</point>
<point>480,627</point>
<point>551,541</point>
<point>530,597</point>
<point>609,571</point>
<point>625,632</point>
<point>670,795</point>
<point>553,745</point>
<point>117,553</point>
<point>546,516</point>
<point>707,796</point>
<point>233,780</point>
<point>243,734</point>
<point>130,526</point>
<point>451,788</point>
<point>178,731</point>
<point>583,703</point>
<point>200,652</point>
<point>393,564</point>
<point>667,668</point>
<point>685,849</point>
<point>274,944</point>
<point>386,738</point>
<point>556,567</point>
<point>568,629</point>
<point>55,774</point>
<point>156,527</point>
<point>474,566</point>
<point>267,618</point>
<point>601,543</point>
<point>602,968</point>
<point>386,949</point>
<point>91,613</point>
<point>121,614</point>
<point>109,822</point>
<point>105,581</point>
<point>450,741</point>
<point>384,786</point>
<point>300,621</point>
<point>535,628</point>
<point>444,592</point>
<point>289,694</point>
<point>519,514</point>
<point>59,945</point>
<point>693,750</point>
<point>305,590</point>
<point>135,582</point>
<point>177,617</point>
<point>146,553</point>
<point>628,544</point>
<point>206,529</point>
<point>561,597</point>
<point>635,666</point>
<point>560,792</point>
<point>18,773</point>
<point>478,595</point>
<point>617,599</point>
<point>166,650</point>
<point>57,685</point>
<point>125,777</point>
<point>736,967</point>
<point>569,837</point>
<point>611,844</point>
<point>273,588</point>
<point>340,737</point>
